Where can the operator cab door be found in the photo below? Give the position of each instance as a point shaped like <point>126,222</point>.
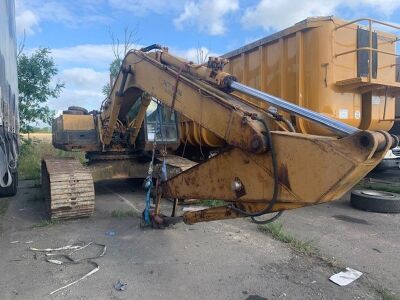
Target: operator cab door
<point>161,125</point>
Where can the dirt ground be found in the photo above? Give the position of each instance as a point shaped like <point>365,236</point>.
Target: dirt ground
<point>216,260</point>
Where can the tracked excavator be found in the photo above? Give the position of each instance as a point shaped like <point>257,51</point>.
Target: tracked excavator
<point>259,163</point>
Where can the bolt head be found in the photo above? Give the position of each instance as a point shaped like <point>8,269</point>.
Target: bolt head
<point>236,185</point>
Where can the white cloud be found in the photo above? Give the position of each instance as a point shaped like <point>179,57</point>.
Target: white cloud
<point>84,70</point>
<point>85,55</point>
<point>84,78</point>
<point>27,21</point>
<point>272,14</point>
<point>207,15</point>
<point>82,88</point>
<point>29,14</point>
<point>194,54</point>
<point>387,7</point>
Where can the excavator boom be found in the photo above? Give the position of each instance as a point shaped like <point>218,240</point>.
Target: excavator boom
<point>264,167</point>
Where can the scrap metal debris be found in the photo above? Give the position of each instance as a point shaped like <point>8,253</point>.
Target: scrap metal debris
<point>76,246</point>
<point>55,261</point>
<point>120,286</point>
<point>345,278</point>
<point>70,260</point>
<point>80,279</point>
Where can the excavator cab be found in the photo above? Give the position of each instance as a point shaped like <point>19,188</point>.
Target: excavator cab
<point>160,126</point>
<point>165,119</point>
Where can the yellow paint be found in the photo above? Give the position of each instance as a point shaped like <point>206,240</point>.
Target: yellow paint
<point>300,64</point>
<point>77,122</point>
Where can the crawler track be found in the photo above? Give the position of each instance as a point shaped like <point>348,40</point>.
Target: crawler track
<point>68,188</point>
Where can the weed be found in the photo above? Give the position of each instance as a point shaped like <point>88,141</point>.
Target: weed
<point>118,213</point>
<point>275,229</point>
<point>332,262</point>
<point>385,294</point>
<point>380,186</point>
<point>32,152</point>
<point>211,203</point>
<point>45,223</point>
<point>4,206</point>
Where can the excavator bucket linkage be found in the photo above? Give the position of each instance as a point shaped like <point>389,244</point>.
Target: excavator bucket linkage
<point>311,170</point>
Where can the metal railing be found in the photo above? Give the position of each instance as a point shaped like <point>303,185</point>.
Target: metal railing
<point>370,49</point>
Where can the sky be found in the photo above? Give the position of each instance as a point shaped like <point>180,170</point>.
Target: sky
<point>78,31</point>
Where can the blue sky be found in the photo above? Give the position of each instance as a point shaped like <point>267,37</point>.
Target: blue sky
<point>78,31</point>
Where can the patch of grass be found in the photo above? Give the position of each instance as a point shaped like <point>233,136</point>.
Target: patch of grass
<point>275,229</point>
<point>4,206</point>
<point>379,186</point>
<point>32,152</point>
<point>118,213</point>
<point>45,223</point>
<point>331,262</point>
<point>385,294</point>
<point>211,203</point>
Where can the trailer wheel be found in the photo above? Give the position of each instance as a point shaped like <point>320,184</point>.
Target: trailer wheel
<point>12,189</point>
<point>375,201</point>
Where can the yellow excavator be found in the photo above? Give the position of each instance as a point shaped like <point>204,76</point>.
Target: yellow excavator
<point>250,155</point>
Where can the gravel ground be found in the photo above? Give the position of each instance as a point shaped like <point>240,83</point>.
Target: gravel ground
<point>216,260</point>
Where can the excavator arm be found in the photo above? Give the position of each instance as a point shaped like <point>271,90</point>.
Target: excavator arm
<point>226,116</point>
<point>266,167</point>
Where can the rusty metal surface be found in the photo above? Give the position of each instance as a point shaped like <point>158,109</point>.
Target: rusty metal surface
<point>311,170</point>
<point>178,161</point>
<point>68,187</point>
<point>135,168</point>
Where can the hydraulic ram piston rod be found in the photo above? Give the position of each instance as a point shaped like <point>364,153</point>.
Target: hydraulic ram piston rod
<point>338,127</point>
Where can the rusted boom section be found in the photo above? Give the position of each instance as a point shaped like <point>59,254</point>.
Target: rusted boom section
<point>311,169</point>
<point>69,187</point>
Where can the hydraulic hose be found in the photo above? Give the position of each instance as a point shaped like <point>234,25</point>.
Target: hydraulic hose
<point>276,184</point>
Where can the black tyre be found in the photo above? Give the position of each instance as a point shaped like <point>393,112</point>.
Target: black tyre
<point>78,108</point>
<point>376,201</point>
<point>72,112</point>
<point>12,189</point>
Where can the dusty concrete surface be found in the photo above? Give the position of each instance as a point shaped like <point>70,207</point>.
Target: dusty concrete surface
<point>217,260</point>
<point>366,241</point>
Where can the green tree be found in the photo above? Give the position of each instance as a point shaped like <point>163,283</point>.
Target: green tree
<point>35,76</point>
<point>120,48</point>
<point>114,69</point>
